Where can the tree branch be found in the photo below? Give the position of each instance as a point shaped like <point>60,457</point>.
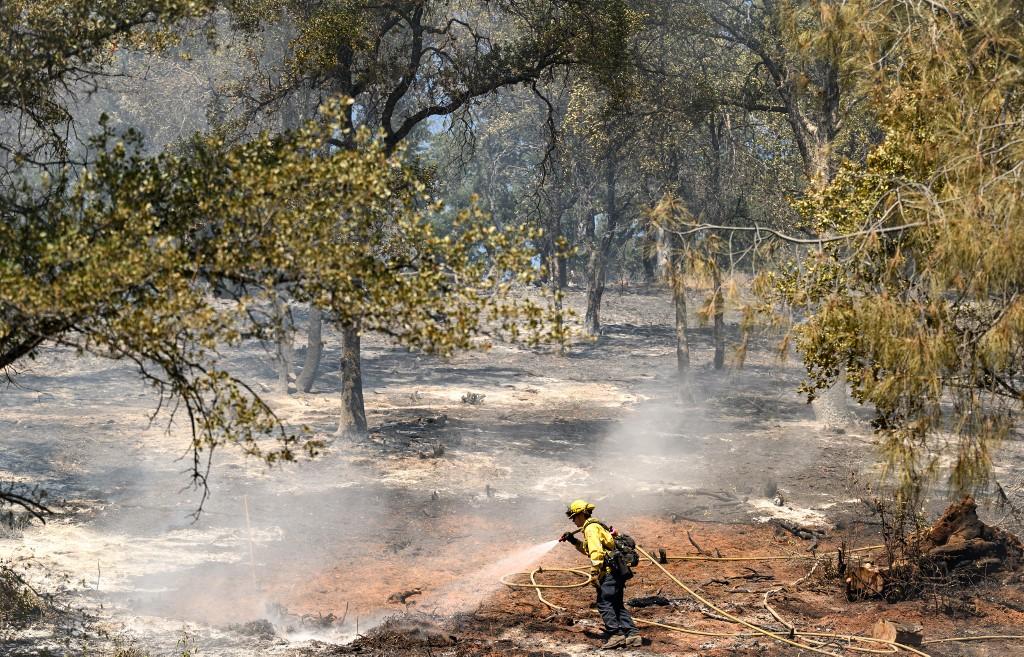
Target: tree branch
<point>817,241</point>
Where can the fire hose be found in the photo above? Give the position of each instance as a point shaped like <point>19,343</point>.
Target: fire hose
<point>809,640</point>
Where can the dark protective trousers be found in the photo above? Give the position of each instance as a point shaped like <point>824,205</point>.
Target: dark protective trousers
<point>610,593</point>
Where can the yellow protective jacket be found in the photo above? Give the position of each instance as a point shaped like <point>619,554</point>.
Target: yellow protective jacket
<point>597,542</point>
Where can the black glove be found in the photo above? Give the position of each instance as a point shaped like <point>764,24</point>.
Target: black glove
<point>569,537</point>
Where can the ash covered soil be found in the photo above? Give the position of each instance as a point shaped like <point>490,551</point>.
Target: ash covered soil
<point>395,546</point>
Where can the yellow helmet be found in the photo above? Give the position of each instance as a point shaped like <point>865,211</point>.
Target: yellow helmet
<point>579,506</point>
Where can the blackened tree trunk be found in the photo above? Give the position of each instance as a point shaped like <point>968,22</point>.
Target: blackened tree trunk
<point>352,422</point>
<point>650,263</point>
<point>553,269</point>
<point>814,133</point>
<point>676,266</point>
<point>597,268</point>
<point>679,300</point>
<point>554,284</point>
<point>717,134</point>
<point>314,350</point>
<point>719,310</point>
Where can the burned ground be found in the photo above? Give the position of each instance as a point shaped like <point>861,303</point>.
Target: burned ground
<point>445,489</point>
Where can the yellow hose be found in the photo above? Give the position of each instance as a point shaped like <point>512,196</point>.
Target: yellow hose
<point>589,578</point>
<point>778,637</point>
<point>791,557</point>
<point>984,637</point>
<point>537,587</point>
<point>533,585</point>
<point>533,581</point>
<point>729,635</point>
<point>890,646</point>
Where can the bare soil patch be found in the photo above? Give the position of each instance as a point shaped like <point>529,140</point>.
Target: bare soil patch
<point>444,489</point>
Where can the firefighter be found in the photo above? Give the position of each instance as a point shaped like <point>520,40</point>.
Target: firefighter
<point>598,542</point>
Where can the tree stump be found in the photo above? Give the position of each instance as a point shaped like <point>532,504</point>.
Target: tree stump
<point>908,635</point>
<point>960,538</point>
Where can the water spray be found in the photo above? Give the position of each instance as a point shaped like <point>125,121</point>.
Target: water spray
<point>472,588</point>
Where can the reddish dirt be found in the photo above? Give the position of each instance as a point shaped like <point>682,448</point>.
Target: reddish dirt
<point>515,622</point>
<point>363,582</point>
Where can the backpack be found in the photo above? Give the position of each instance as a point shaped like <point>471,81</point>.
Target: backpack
<point>624,557</point>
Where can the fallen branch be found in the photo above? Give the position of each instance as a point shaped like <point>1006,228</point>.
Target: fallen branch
<point>700,550</point>
<point>753,575</point>
<point>793,586</point>
<point>401,596</point>
<point>806,577</point>
<point>775,614</point>
<point>1006,603</point>
<point>723,496</point>
<point>800,531</point>
<point>33,506</point>
<point>805,533</point>
<point>716,617</point>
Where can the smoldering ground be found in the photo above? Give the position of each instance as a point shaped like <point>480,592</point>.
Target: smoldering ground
<point>317,546</point>
<point>266,539</point>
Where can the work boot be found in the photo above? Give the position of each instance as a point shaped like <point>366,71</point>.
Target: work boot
<point>614,641</point>
<point>634,641</point>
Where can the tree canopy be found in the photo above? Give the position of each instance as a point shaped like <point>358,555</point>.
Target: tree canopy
<point>858,161</point>
<point>164,259</point>
<point>922,305</point>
